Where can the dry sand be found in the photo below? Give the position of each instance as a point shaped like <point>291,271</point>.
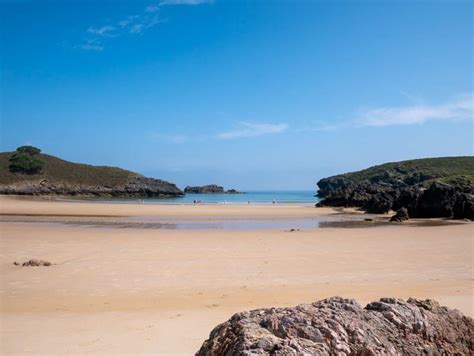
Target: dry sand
<point>162,291</point>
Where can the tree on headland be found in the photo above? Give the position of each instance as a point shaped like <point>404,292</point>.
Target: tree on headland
<point>24,161</point>
<point>31,150</point>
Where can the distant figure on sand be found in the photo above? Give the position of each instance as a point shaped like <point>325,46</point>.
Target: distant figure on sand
<point>273,202</point>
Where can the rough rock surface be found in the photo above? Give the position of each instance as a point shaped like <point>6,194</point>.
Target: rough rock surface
<point>135,187</point>
<point>209,189</point>
<point>426,199</point>
<point>337,326</point>
<point>401,215</point>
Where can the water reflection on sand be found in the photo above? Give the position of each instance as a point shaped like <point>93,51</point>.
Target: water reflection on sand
<point>290,224</point>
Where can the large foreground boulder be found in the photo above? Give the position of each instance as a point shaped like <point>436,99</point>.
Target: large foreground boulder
<point>337,326</point>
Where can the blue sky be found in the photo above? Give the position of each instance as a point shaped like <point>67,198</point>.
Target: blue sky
<point>247,94</point>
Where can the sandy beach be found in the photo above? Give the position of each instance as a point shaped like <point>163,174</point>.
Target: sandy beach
<point>151,290</point>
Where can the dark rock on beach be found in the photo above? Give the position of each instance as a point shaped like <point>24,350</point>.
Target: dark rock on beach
<point>464,206</point>
<point>337,326</point>
<point>34,263</point>
<point>401,215</point>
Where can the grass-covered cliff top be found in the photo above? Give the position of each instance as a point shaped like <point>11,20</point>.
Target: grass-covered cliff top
<point>57,170</point>
<point>443,168</point>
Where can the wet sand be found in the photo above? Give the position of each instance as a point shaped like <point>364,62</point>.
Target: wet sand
<point>137,290</point>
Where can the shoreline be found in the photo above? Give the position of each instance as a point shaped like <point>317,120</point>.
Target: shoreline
<point>201,199</point>
<point>14,205</point>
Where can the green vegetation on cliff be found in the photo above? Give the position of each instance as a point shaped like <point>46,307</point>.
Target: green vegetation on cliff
<point>57,170</point>
<point>28,172</point>
<point>445,169</point>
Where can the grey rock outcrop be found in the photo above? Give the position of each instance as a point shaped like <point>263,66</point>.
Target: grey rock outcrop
<point>205,189</point>
<point>337,326</point>
<point>209,189</point>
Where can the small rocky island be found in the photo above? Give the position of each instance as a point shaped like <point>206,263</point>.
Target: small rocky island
<point>30,172</point>
<point>209,189</point>
<point>338,326</point>
<point>425,188</point>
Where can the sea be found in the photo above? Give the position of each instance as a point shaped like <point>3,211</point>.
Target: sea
<point>250,197</point>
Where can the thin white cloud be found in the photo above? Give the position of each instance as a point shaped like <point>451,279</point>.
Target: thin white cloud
<point>101,31</point>
<point>127,21</point>
<point>144,23</point>
<point>184,2</point>
<point>247,129</point>
<point>132,25</point>
<point>459,108</point>
<point>152,8</point>
<point>321,126</point>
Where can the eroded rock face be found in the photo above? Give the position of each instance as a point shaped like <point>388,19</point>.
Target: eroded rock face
<point>434,200</point>
<point>337,326</point>
<point>135,187</point>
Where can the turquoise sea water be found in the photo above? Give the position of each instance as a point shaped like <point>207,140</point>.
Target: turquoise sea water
<point>254,197</point>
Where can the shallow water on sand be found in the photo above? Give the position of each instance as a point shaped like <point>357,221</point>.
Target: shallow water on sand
<point>242,223</point>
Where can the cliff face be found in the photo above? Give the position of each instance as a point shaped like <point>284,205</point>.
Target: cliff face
<point>441,187</point>
<point>59,177</point>
<point>135,187</point>
<point>339,326</point>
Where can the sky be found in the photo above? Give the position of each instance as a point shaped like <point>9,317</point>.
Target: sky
<point>252,95</point>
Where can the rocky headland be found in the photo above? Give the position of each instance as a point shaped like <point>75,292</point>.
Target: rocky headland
<point>209,189</point>
<point>338,326</point>
<point>134,187</point>
<point>63,178</point>
<point>426,188</point>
